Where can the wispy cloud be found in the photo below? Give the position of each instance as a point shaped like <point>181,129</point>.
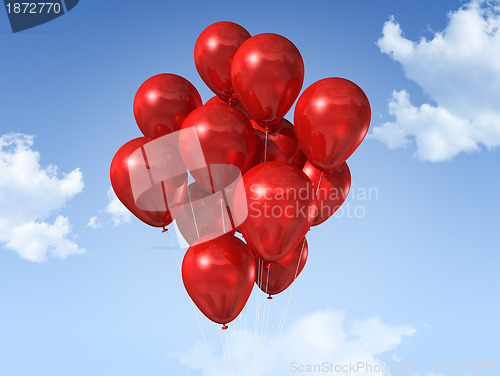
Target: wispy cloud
<point>93,223</point>
<point>118,212</point>
<point>459,69</point>
<point>325,336</point>
<point>115,213</point>
<point>29,194</point>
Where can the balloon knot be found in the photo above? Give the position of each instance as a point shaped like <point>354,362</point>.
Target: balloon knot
<point>164,229</point>
<point>224,327</point>
<point>269,266</point>
<point>270,297</point>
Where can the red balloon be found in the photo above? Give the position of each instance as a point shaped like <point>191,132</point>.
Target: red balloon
<point>281,273</point>
<point>333,189</point>
<point>203,215</point>
<point>280,205</point>
<point>213,53</point>
<point>163,102</point>
<point>332,117</point>
<point>267,73</point>
<point>219,275</point>
<point>151,204</point>
<point>282,145</point>
<point>217,145</point>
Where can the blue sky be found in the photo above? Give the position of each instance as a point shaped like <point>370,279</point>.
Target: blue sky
<point>412,281</point>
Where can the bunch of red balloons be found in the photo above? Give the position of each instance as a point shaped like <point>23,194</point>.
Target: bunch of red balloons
<point>284,177</point>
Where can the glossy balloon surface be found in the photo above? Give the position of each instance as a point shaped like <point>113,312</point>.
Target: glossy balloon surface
<point>151,206</point>
<point>282,145</point>
<point>267,73</point>
<point>213,53</point>
<point>219,276</point>
<point>333,189</point>
<point>162,103</point>
<point>217,145</point>
<point>281,207</point>
<point>277,278</point>
<point>331,119</point>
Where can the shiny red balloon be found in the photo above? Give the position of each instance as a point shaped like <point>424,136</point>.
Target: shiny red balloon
<point>282,145</point>
<point>219,275</point>
<point>213,53</point>
<point>162,103</point>
<point>151,206</point>
<point>279,201</point>
<point>332,117</point>
<point>333,189</point>
<point>203,214</point>
<point>217,145</point>
<point>267,73</point>
<point>281,273</point>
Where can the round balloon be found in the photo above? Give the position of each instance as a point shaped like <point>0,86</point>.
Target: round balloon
<point>147,201</point>
<point>331,119</point>
<point>275,277</point>
<point>278,199</point>
<point>217,145</point>
<point>219,275</point>
<point>267,73</point>
<point>333,189</point>
<point>162,103</point>
<point>213,53</point>
<point>282,145</point>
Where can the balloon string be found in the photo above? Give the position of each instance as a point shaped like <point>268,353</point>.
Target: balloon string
<point>228,352</point>
<point>241,344</point>
<point>223,224</point>
<point>260,348</point>
<point>228,209</point>
<point>264,328</point>
<point>319,183</point>
<point>245,344</point>
<point>257,319</point>
<point>237,348</point>
<point>224,351</point>
<point>192,211</point>
<point>265,337</point>
<point>300,257</point>
<point>146,162</point>
<point>267,281</point>
<point>285,312</point>
<point>262,325</point>
<point>194,309</point>
<point>165,200</point>
<point>277,334</point>
<point>265,145</point>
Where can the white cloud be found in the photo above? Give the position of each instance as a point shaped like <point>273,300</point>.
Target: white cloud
<point>33,240</point>
<point>93,223</point>
<point>119,213</point>
<point>459,69</point>
<point>316,338</point>
<point>29,194</point>
<point>114,210</point>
